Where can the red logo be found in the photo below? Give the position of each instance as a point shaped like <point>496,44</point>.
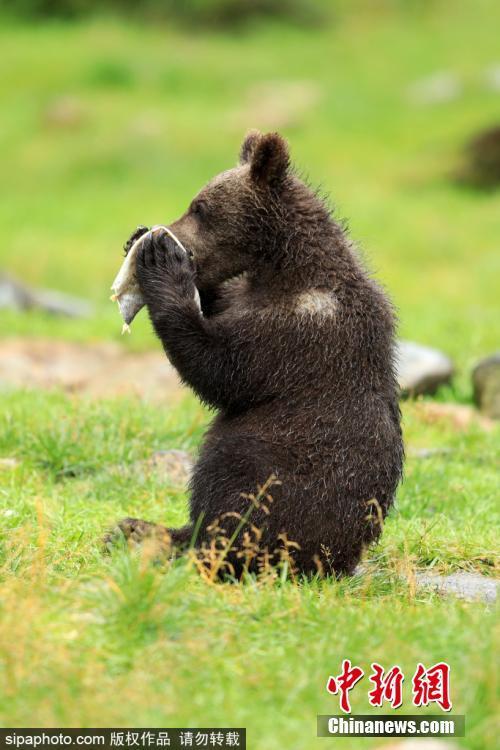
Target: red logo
<point>430,685</point>
<point>343,683</point>
<point>388,687</point>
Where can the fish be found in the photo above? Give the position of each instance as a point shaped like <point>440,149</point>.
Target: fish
<point>125,287</point>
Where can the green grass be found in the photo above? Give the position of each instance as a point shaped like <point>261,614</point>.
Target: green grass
<point>90,640</point>
<point>87,640</point>
<point>158,112</point>
<point>80,464</point>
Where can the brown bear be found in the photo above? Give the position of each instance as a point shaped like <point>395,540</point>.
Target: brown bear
<point>293,346</point>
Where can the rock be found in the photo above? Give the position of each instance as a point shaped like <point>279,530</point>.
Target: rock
<point>172,465</point>
<point>482,159</point>
<point>17,296</point>
<point>486,381</point>
<point>468,586</point>
<point>58,303</point>
<point>438,88</point>
<point>13,295</point>
<point>420,369</point>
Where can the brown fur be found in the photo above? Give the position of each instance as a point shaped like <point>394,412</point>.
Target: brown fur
<point>294,350</point>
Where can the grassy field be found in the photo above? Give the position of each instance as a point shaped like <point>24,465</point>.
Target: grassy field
<point>87,640</point>
<point>106,125</point>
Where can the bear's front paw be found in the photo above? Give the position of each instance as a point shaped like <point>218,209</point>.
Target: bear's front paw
<point>134,237</point>
<point>162,265</point>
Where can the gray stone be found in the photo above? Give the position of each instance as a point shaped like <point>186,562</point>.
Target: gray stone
<point>486,381</point>
<point>468,586</point>
<point>420,369</point>
<point>13,295</point>
<point>58,303</point>
<point>17,296</point>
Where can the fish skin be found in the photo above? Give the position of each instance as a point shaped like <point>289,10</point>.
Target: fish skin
<point>125,287</point>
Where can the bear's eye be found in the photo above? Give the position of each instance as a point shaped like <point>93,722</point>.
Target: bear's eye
<point>198,208</point>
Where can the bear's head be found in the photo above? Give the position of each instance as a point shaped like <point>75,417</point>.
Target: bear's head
<point>239,216</point>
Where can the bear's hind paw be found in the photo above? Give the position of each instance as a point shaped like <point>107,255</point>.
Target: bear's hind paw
<point>135,532</point>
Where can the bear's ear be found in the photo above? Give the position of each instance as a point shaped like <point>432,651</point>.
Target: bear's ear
<point>270,159</point>
<point>248,146</point>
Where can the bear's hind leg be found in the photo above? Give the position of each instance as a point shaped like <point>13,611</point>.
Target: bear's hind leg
<point>136,531</point>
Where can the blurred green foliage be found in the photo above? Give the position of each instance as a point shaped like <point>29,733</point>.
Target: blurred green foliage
<point>217,13</point>
<point>108,123</point>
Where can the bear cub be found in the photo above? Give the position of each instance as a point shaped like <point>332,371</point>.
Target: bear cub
<point>292,343</point>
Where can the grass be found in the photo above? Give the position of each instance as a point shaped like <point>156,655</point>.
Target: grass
<point>152,113</point>
<point>106,125</point>
<point>89,640</point>
<point>80,463</point>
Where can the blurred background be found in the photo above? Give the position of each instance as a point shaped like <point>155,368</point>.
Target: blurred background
<point>114,113</point>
